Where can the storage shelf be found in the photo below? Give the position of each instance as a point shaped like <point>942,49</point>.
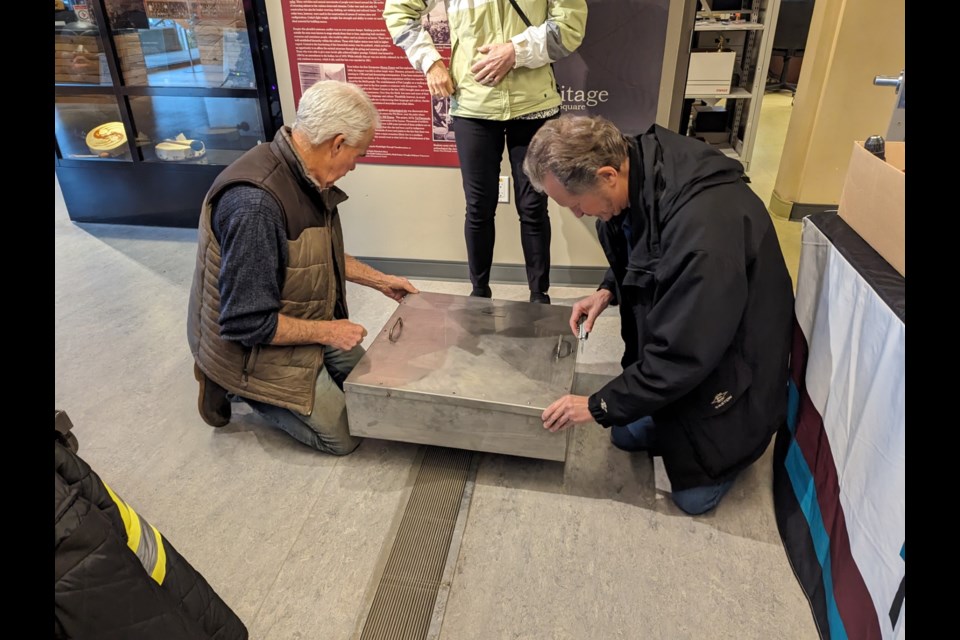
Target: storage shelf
<point>716,26</point>
<point>727,150</point>
<point>754,46</point>
<point>743,12</point>
<point>738,92</point>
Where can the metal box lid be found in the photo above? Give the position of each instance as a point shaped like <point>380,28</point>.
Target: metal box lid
<point>517,357</point>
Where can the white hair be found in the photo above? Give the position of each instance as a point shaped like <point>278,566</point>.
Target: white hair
<point>330,107</point>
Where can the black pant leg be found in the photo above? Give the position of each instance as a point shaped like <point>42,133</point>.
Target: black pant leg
<point>531,206</point>
<point>479,148</point>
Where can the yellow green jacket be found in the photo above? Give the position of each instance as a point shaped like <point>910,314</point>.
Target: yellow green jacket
<point>557,30</point>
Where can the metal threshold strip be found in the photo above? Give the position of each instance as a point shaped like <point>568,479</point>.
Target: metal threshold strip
<point>420,563</point>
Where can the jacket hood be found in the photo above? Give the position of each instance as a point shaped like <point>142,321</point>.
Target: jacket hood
<point>666,171</point>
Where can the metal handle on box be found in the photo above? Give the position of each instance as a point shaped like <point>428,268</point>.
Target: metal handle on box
<point>395,330</point>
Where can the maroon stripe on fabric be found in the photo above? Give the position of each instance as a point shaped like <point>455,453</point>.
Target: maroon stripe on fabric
<point>850,591</point>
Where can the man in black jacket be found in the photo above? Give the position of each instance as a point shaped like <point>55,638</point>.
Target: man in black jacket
<point>705,299</point>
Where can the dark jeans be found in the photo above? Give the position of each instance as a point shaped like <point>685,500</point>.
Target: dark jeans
<point>480,148</point>
<point>641,436</point>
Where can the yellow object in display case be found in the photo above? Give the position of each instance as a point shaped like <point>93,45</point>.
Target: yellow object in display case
<point>107,140</point>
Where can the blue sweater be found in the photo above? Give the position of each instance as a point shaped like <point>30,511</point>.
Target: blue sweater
<point>248,224</point>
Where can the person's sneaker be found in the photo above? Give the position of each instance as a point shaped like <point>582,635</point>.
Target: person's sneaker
<point>481,292</point>
<point>542,298</point>
<point>212,402</point>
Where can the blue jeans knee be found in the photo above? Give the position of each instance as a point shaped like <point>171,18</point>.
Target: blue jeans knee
<point>698,500</point>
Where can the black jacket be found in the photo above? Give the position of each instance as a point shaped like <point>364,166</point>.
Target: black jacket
<point>706,307</point>
<point>103,590</point>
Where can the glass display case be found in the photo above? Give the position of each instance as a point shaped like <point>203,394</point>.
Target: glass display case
<point>154,99</point>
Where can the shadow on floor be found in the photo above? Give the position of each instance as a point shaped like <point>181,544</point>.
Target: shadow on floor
<point>596,469</point>
<point>107,232</point>
<point>168,252</point>
<point>278,444</point>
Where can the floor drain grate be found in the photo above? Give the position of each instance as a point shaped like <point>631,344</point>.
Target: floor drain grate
<point>403,604</point>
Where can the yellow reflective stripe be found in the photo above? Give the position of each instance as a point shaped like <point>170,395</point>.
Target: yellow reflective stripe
<point>134,532</point>
<point>160,570</point>
<point>131,523</point>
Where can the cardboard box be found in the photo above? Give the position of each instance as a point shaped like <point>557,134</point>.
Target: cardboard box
<point>710,72</point>
<point>872,202</point>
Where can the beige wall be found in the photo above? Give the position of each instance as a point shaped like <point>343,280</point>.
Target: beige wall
<point>417,212</point>
<point>850,42</point>
<point>672,83</point>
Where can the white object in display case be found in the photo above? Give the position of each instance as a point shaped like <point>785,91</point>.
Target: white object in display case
<point>180,148</point>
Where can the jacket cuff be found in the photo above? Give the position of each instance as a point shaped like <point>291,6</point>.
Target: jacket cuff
<point>598,409</point>
<point>521,50</point>
<point>428,60</point>
<point>530,48</point>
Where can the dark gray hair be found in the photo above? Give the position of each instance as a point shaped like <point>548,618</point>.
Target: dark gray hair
<point>573,149</point>
<point>330,107</point>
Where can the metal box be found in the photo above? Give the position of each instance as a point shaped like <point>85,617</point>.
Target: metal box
<point>469,373</point>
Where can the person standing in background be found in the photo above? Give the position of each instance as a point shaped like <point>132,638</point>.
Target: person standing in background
<point>502,89</point>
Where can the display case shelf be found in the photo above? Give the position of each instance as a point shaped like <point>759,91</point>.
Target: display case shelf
<point>148,92</point>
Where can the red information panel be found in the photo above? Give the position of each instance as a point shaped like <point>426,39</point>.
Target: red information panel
<point>615,72</point>
<point>348,40</point>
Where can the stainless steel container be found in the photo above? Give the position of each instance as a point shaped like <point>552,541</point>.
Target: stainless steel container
<point>470,373</point>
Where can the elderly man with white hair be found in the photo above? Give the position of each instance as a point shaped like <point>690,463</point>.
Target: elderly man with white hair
<point>268,320</point>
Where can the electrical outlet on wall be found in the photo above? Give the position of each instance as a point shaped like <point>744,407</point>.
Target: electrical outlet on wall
<point>503,195</point>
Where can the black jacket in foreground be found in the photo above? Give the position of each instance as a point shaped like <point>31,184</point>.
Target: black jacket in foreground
<point>104,589</point>
<point>706,307</point>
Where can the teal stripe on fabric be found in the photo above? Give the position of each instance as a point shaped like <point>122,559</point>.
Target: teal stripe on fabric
<point>801,478</point>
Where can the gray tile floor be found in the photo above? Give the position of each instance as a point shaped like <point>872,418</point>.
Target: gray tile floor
<point>291,538</point>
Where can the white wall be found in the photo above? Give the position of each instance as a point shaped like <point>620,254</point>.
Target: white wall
<point>417,212</point>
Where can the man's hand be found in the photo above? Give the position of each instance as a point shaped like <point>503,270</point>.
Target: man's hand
<point>343,334</point>
<point>496,65</point>
<point>438,80</point>
<point>396,287</point>
<point>566,412</point>
<point>591,306</point>
<point>363,274</point>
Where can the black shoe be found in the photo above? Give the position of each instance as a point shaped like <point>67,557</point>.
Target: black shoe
<point>212,402</point>
<point>542,298</point>
<point>481,292</point>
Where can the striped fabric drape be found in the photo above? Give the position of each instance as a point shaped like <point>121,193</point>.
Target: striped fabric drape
<point>839,475</point>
